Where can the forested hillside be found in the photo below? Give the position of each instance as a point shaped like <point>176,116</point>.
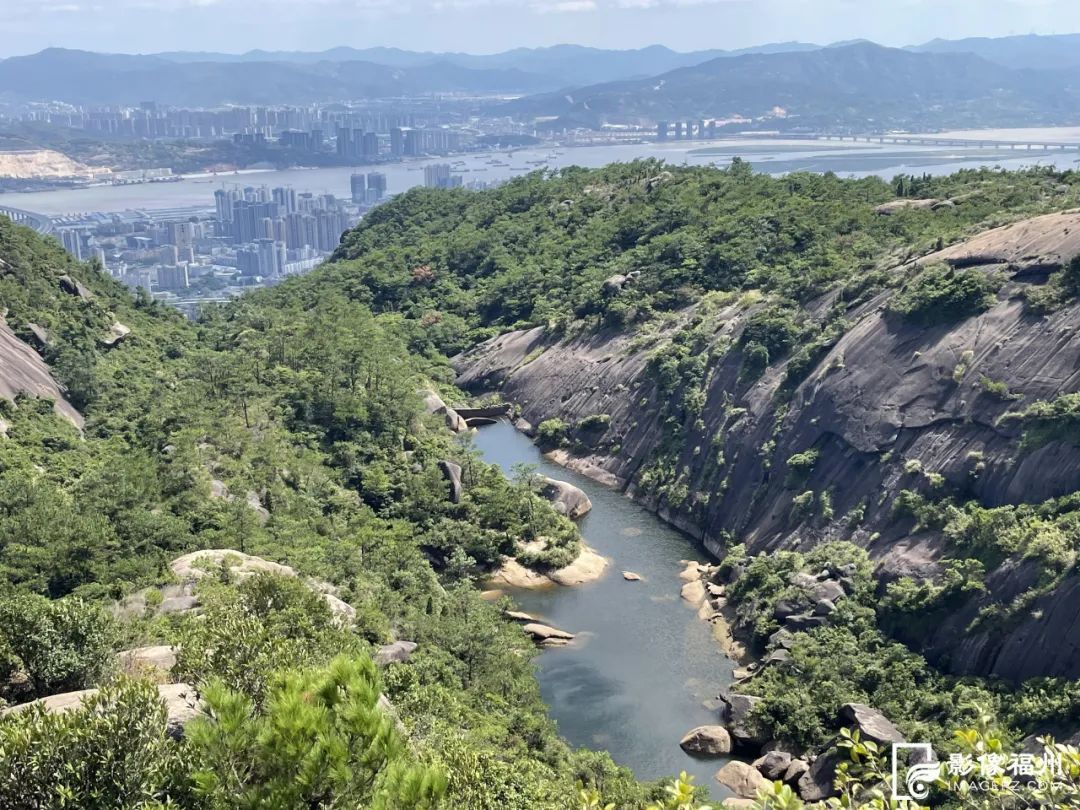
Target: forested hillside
<point>297,434</point>
<point>843,387</point>
<point>787,364</point>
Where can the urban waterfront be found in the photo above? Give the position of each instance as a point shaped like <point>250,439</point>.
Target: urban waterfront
<point>206,238</point>
<point>771,155</point>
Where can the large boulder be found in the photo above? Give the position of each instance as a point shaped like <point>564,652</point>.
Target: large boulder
<point>547,636</point>
<point>452,473</point>
<point>741,779</point>
<point>566,498</point>
<point>156,661</point>
<point>817,783</point>
<point>397,653</point>
<point>794,772</point>
<point>706,740</point>
<point>773,765</point>
<point>198,564</point>
<point>434,404</point>
<point>693,592</point>
<point>76,288</point>
<point>736,713</point>
<point>116,334</point>
<point>871,723</point>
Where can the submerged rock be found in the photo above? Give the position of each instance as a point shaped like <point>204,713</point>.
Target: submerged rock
<point>547,636</point>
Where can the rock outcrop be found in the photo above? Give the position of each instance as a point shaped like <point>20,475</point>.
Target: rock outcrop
<point>567,499</point>
<point>589,566</point>
<point>155,662</point>
<point>396,653</point>
<point>451,471</point>
<point>887,397</point>
<point>741,779</point>
<point>707,741</point>
<point>871,723</point>
<point>22,371</point>
<point>547,636</point>
<point>192,567</point>
<point>736,714</point>
<point>434,405</point>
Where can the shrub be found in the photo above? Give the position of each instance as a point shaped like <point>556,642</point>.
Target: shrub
<point>321,740</point>
<point>941,294</point>
<point>800,466</point>
<point>551,432</point>
<point>112,751</point>
<point>60,645</point>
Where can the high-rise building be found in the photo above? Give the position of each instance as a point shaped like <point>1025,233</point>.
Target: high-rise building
<point>285,197</point>
<point>358,187</point>
<point>662,131</point>
<point>438,175</point>
<point>72,240</point>
<point>413,145</point>
<point>169,255</point>
<point>344,142</point>
<point>173,278</point>
<point>376,186</point>
<point>369,145</point>
<point>397,142</point>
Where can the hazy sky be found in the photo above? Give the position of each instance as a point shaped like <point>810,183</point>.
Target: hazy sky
<point>483,26</point>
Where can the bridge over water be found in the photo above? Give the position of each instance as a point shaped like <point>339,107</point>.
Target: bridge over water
<point>934,140</point>
<point>39,222</point>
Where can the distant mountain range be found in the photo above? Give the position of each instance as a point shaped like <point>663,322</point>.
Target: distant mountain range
<point>973,82</point>
<point>860,85</point>
<point>81,77</point>
<point>1030,51</point>
<point>560,65</point>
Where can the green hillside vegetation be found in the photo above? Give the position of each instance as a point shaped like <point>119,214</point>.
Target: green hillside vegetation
<point>317,412</point>
<point>303,400</point>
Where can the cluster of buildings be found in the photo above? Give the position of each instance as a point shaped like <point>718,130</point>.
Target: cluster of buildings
<point>253,236</point>
<point>353,135</point>
<point>690,130</point>
<point>440,175</point>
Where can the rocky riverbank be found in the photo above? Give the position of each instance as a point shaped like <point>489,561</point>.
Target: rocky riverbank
<point>827,445</point>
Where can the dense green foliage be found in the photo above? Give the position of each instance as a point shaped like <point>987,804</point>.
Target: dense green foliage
<point>290,424</point>
<point>941,294</point>
<point>539,249</point>
<point>291,431</point>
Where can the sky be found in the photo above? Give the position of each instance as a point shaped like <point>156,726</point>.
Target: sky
<point>485,26</point>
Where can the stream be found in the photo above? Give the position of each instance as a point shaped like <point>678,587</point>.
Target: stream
<point>635,679</point>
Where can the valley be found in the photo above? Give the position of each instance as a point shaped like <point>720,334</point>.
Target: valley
<point>850,401</point>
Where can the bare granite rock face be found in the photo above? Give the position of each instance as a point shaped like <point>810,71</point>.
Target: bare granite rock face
<point>892,405</point>
<point>22,371</point>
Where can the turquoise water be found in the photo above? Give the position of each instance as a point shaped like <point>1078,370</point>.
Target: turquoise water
<point>635,679</point>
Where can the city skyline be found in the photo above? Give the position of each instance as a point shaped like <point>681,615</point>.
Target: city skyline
<point>235,26</point>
